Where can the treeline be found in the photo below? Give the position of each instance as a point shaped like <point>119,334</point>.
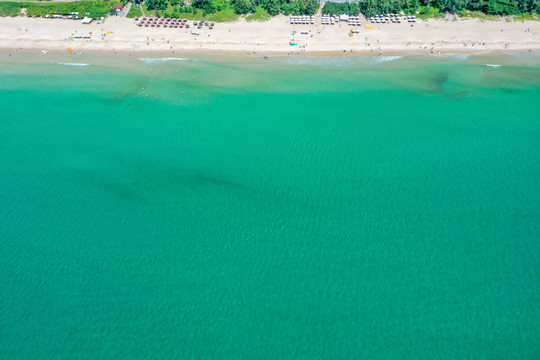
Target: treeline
<point>196,7</point>
<point>491,7</point>
<point>273,7</point>
<point>294,7</point>
<point>93,9</point>
<point>331,8</point>
<point>367,7</point>
<point>97,9</point>
<point>8,8</point>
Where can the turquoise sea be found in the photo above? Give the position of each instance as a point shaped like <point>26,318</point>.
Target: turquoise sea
<point>295,208</point>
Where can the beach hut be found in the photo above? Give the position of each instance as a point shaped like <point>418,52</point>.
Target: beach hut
<point>87,20</point>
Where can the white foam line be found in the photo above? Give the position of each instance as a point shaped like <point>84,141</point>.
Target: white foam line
<point>160,60</point>
<point>339,61</point>
<point>381,59</point>
<point>73,64</point>
<point>453,56</point>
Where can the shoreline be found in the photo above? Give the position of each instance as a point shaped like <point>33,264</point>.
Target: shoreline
<point>121,35</point>
<point>238,53</point>
<point>337,61</point>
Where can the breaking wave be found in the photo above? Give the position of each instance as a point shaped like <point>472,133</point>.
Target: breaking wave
<point>381,59</point>
<point>160,60</point>
<point>73,64</point>
<point>337,61</point>
<point>453,56</point>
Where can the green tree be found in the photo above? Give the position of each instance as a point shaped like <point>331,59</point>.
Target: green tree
<point>502,7</point>
<point>200,4</point>
<point>272,6</point>
<point>156,4</point>
<point>304,7</point>
<point>209,8</point>
<point>243,6</point>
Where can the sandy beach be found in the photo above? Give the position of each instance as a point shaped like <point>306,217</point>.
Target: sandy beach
<point>119,34</point>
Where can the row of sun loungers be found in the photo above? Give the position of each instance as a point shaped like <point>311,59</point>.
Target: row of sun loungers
<point>56,16</point>
<point>391,18</point>
<point>329,20</point>
<point>305,19</point>
<point>351,20</point>
<point>170,23</point>
<point>354,21</point>
<point>200,24</point>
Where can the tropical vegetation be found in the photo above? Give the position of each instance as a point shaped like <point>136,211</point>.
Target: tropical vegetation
<point>230,10</point>
<point>490,7</point>
<point>93,9</point>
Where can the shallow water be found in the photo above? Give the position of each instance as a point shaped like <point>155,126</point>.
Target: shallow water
<point>298,207</point>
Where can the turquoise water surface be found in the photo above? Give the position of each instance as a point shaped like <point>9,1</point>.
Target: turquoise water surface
<point>295,208</point>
